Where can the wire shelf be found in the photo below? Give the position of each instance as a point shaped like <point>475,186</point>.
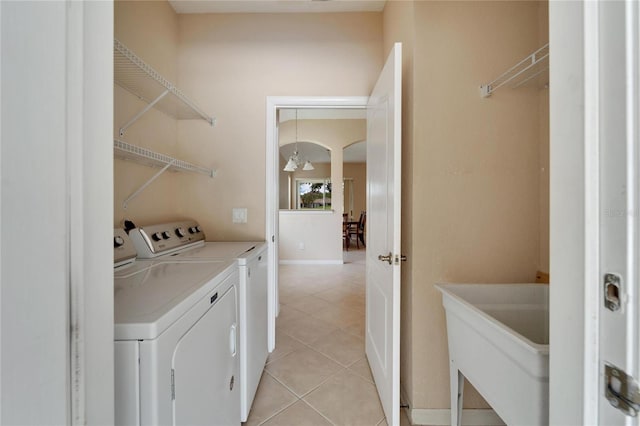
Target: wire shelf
<point>133,74</point>
<point>150,158</point>
<point>533,68</point>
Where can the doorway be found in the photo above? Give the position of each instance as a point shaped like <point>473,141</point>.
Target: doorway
<point>320,301</point>
<point>272,190</point>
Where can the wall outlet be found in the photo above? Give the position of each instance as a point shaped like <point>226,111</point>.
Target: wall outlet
<point>239,215</point>
<point>300,246</point>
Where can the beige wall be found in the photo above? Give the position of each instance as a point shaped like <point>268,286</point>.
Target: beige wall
<point>233,62</point>
<point>283,187</point>
<point>149,29</point>
<point>228,64</point>
<point>357,172</point>
<point>543,114</point>
<point>474,207</point>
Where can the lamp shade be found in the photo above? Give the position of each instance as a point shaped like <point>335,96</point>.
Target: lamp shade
<point>308,166</point>
<point>291,165</point>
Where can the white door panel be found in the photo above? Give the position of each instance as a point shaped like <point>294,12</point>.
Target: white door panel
<point>383,234</point>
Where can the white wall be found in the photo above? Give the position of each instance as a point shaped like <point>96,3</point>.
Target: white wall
<point>57,363</point>
<point>315,231</point>
<point>35,359</point>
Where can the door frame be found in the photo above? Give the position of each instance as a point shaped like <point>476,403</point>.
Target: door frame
<point>272,188</point>
<point>75,306</point>
<point>574,372</point>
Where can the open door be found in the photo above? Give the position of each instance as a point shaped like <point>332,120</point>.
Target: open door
<point>383,234</point>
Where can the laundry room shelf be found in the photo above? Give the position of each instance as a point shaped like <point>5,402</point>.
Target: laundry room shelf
<point>124,150</point>
<point>536,65</point>
<point>133,74</point>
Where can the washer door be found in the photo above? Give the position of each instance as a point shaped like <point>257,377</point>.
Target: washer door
<point>205,368</point>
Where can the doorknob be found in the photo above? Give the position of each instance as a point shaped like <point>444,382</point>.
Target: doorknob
<point>387,258</point>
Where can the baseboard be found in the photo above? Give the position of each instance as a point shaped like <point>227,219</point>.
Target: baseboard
<point>441,417</point>
<point>311,262</point>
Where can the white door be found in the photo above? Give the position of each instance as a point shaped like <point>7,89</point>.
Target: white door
<point>383,234</point>
<point>619,146</point>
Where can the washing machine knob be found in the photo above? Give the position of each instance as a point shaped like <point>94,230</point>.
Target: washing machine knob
<point>118,241</point>
<point>157,236</point>
<point>166,235</point>
<point>180,232</point>
<point>198,229</point>
<point>193,230</point>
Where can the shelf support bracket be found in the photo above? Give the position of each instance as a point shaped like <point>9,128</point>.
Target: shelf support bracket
<point>142,112</point>
<point>146,184</point>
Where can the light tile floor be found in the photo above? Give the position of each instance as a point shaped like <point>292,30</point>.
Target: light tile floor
<point>318,374</point>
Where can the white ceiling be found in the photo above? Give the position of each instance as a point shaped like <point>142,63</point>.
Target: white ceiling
<point>276,6</point>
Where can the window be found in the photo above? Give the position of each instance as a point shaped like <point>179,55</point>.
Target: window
<point>313,194</point>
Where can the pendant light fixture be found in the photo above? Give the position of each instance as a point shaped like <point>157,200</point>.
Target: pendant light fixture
<point>294,161</point>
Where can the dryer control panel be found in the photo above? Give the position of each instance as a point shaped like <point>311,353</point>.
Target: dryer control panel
<point>124,251</point>
<point>156,240</point>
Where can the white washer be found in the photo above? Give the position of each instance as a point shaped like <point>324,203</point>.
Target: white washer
<point>176,345</point>
<point>153,241</point>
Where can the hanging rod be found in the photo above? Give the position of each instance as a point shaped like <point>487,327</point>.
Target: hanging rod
<point>139,78</point>
<point>522,72</point>
<point>147,157</point>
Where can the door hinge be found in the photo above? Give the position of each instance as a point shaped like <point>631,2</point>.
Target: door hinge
<point>621,390</point>
<point>173,385</point>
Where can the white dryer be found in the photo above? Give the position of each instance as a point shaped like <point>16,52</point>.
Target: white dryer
<point>154,242</point>
<point>176,345</point>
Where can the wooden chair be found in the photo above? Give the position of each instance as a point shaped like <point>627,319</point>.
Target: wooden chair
<point>358,230</point>
<point>345,231</point>
<point>345,234</point>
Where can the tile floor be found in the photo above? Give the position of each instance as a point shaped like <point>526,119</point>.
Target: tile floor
<point>318,374</point>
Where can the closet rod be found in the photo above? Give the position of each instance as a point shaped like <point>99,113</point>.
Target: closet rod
<point>522,72</point>
<point>147,157</point>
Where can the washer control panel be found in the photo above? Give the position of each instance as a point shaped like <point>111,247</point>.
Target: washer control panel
<point>156,240</point>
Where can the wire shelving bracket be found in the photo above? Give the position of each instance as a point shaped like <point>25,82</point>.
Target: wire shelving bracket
<point>150,158</point>
<point>133,74</point>
<point>521,73</point>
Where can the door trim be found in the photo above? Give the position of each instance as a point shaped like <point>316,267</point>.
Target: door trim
<point>591,209</point>
<point>271,190</point>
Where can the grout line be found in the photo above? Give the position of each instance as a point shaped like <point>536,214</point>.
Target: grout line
<point>341,370</point>
<point>319,412</point>
<point>381,420</point>
<point>348,284</point>
<point>277,412</point>
<point>312,389</point>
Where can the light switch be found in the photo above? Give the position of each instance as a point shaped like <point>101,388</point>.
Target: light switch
<point>239,215</point>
